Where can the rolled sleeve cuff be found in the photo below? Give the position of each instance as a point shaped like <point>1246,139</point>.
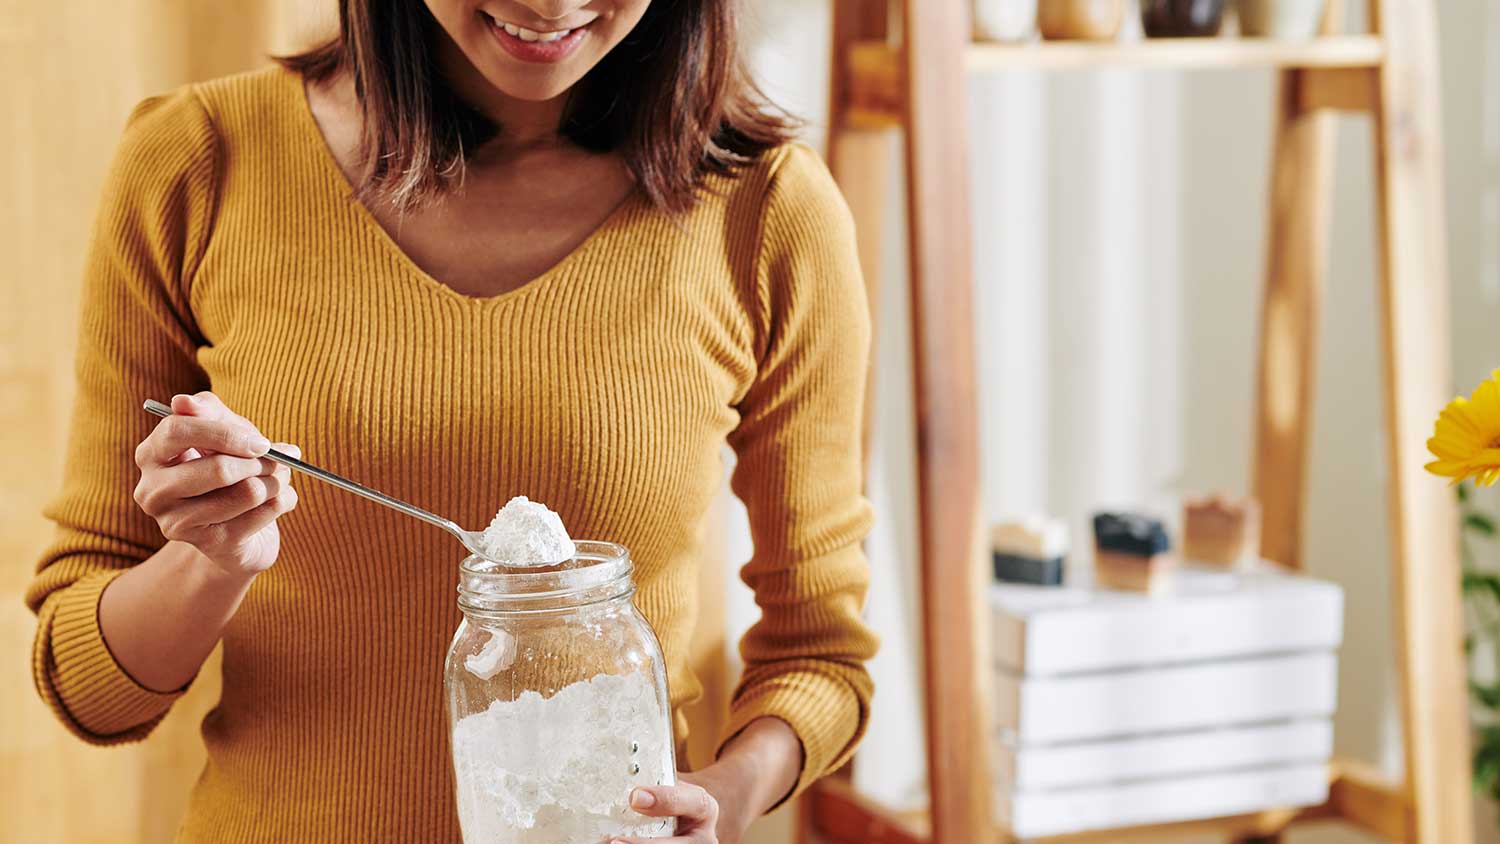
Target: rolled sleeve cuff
<point>824,712</point>
<point>79,677</point>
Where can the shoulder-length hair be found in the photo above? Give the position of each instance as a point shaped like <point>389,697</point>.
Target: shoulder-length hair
<point>674,99</point>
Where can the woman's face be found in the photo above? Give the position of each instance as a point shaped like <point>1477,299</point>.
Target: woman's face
<point>536,49</point>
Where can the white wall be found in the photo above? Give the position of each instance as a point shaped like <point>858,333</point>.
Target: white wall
<point>1119,220</point>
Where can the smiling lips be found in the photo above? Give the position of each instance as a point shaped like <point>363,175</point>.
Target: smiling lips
<point>533,45</point>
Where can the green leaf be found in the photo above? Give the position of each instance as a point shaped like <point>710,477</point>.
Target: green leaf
<point>1489,697</point>
<point>1486,773</point>
<point>1481,583</point>
<point>1480,523</point>
<point>1487,760</point>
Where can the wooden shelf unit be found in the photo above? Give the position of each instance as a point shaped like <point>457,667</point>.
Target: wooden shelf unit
<point>908,95</point>
<point>875,78</point>
<point>1356,795</point>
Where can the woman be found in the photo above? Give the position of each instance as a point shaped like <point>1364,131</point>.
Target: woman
<point>464,251</point>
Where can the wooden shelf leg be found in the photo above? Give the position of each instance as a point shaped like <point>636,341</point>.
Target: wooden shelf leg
<point>1414,314</point>
<point>860,161</point>
<point>934,38</point>
<point>1296,251</point>
<point>1296,262</point>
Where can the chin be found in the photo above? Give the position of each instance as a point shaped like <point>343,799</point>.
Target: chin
<point>529,86</point>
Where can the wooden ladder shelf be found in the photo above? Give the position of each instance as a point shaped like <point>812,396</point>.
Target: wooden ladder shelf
<point>911,93</point>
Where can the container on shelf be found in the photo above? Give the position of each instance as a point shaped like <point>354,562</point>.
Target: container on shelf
<point>1006,21</point>
<point>1132,552</point>
<point>1220,530</point>
<point>1080,20</point>
<point>557,702</point>
<point>1289,19</point>
<point>1029,550</point>
<point>1182,18</point>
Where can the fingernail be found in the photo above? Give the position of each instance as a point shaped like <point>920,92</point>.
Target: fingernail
<point>642,799</point>
<point>259,445</point>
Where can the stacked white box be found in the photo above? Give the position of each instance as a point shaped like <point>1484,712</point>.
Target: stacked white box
<point>1116,709</point>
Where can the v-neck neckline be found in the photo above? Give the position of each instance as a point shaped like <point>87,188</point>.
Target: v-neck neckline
<point>328,162</point>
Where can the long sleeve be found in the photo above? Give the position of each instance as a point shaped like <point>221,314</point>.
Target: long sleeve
<point>137,339</point>
<point>799,473</point>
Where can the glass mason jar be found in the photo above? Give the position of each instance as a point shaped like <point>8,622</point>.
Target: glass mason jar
<point>557,702</point>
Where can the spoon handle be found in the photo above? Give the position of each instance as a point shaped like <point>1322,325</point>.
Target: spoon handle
<point>156,407</point>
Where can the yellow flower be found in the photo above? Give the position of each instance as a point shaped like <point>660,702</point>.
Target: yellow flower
<point>1467,440</point>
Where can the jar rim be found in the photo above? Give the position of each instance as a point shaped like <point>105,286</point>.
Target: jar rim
<point>594,565</point>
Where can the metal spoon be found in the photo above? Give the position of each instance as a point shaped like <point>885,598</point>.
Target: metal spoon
<point>469,538</point>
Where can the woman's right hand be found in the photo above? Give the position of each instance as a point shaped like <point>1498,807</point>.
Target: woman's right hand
<point>205,482</point>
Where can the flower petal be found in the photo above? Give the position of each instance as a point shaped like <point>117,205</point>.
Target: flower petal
<point>1448,468</point>
<point>1448,449</point>
<point>1485,409</point>
<point>1457,418</point>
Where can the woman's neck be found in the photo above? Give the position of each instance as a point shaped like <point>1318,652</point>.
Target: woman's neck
<point>524,124</point>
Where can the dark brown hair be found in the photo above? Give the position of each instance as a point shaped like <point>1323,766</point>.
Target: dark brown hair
<point>673,98</point>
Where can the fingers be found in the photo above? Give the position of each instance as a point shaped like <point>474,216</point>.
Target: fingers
<point>213,531</point>
<point>176,434</point>
<point>188,516</point>
<point>687,801</point>
<point>253,522</point>
<point>204,405</point>
<point>195,477</point>
<point>696,810</point>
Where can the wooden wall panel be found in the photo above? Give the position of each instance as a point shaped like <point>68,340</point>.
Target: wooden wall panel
<point>69,73</point>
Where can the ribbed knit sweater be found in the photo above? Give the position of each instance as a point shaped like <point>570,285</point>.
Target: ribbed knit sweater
<point>230,255</point>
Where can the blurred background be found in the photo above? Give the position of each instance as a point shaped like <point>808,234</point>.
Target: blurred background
<point>1118,257</point>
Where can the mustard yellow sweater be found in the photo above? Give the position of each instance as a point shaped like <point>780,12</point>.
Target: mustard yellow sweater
<point>229,255</point>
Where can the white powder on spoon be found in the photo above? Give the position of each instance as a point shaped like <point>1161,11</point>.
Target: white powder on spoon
<point>526,533</point>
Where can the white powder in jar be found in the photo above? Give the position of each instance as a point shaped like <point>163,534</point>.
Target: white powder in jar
<point>496,654</point>
<point>527,533</point>
<point>559,769</point>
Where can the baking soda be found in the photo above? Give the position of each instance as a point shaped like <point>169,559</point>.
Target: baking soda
<point>559,769</point>
<point>496,654</point>
<point>526,533</point>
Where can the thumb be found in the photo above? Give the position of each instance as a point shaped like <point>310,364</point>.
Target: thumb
<point>186,405</point>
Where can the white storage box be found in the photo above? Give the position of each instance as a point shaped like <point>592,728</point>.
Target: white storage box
<point>1158,700</point>
<point>1158,801</point>
<point>1040,767</point>
<point>1207,614</point>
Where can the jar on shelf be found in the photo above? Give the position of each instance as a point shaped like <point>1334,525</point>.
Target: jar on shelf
<point>1288,19</point>
<point>557,702</point>
<point>1181,18</point>
<point>1085,20</point>
<point>1005,21</point>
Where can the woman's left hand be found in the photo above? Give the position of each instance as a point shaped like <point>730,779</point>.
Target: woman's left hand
<point>694,802</point>
<point>717,804</point>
